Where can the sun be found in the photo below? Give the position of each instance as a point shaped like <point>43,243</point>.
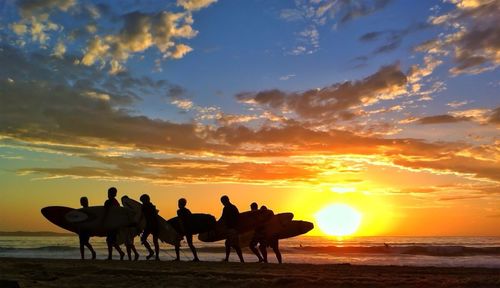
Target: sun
<point>338,219</point>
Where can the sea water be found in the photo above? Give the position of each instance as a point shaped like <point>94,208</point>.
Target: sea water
<point>412,251</point>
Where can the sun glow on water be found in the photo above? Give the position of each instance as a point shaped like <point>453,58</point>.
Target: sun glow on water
<point>338,220</point>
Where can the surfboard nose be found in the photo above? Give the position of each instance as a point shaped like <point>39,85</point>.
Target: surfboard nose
<point>307,226</point>
<point>55,214</point>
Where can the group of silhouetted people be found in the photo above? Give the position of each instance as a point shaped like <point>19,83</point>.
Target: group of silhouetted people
<point>230,218</point>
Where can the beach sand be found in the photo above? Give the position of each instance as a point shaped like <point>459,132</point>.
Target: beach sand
<point>101,273</point>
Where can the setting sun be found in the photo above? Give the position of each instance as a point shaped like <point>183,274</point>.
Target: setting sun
<point>338,220</point>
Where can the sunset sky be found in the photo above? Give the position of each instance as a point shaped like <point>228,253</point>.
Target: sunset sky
<point>389,107</point>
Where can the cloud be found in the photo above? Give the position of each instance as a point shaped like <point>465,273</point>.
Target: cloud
<point>393,38</point>
<point>308,42</point>
<point>457,104</point>
<point>110,47</point>
<point>475,40</point>
<point>348,10</point>
<point>140,32</point>
<point>387,83</point>
<point>495,116</point>
<point>320,12</point>
<point>441,119</point>
<point>59,50</point>
<point>287,77</point>
<point>456,164</point>
<point>35,18</point>
<point>193,5</point>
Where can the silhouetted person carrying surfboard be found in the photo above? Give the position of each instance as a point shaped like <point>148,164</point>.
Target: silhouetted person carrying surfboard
<point>151,215</point>
<point>271,242</point>
<point>230,215</point>
<point>258,236</point>
<point>185,221</point>
<point>111,237</point>
<point>84,236</point>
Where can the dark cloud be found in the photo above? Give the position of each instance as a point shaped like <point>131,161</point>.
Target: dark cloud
<point>358,9</point>
<point>392,38</point>
<point>386,83</point>
<point>495,116</point>
<point>442,119</point>
<point>40,112</point>
<point>122,88</point>
<point>461,164</point>
<point>475,41</point>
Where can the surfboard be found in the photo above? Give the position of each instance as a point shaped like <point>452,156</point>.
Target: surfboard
<point>167,233</point>
<point>199,223</point>
<point>95,220</point>
<point>294,228</point>
<point>247,221</point>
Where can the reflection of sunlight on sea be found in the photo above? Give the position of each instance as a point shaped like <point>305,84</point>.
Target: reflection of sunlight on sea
<point>295,250</point>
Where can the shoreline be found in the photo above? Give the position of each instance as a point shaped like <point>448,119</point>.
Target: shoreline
<point>101,273</point>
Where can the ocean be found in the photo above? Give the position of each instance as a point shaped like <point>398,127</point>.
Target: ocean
<point>409,251</point>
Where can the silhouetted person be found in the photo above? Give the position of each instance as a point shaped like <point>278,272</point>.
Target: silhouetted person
<point>85,235</point>
<point>271,242</point>
<point>111,237</point>
<point>230,215</point>
<point>185,224</point>
<point>258,237</point>
<point>152,227</point>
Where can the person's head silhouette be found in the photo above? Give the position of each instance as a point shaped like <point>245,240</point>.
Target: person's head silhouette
<point>182,203</point>
<point>112,192</point>
<point>144,198</point>
<point>254,206</point>
<point>225,200</point>
<point>84,201</point>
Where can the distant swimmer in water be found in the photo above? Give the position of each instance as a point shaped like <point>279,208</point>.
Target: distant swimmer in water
<point>271,242</point>
<point>152,227</point>
<point>185,220</point>
<point>85,235</point>
<point>258,237</point>
<point>230,215</point>
<point>111,237</point>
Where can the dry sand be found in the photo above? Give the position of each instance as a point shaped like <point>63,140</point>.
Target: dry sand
<point>101,273</point>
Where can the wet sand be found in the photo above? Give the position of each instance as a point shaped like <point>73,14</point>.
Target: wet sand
<point>101,273</point>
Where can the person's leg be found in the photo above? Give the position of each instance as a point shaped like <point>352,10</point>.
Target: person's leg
<point>82,248</point>
<point>236,245</point>
<point>136,254</point>
<point>110,247</point>
<point>144,241</point>
<point>82,252</point>
<point>263,250</point>
<point>189,239</point>
<point>91,250</point>
<point>238,251</point>
<point>177,252</point>
<point>227,244</point>
<point>157,246</point>
<point>253,248</point>
<point>117,247</point>
<point>129,251</point>
<point>276,250</point>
